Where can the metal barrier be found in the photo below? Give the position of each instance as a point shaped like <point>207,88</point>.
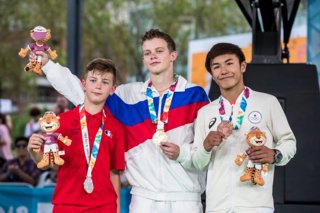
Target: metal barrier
<point>24,198</point>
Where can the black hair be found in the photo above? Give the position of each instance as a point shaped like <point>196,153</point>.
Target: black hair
<point>222,49</point>
<point>21,138</point>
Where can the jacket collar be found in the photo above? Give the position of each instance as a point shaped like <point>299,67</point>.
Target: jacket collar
<point>181,86</point>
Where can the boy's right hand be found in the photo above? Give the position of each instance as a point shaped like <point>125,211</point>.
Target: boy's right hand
<point>214,138</point>
<point>44,60</point>
<point>35,142</point>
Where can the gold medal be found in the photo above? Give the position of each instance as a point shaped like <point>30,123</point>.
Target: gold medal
<point>88,185</point>
<point>159,136</point>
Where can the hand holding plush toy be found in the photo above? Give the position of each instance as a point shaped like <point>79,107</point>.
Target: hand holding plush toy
<point>40,35</point>
<point>49,123</point>
<point>255,137</point>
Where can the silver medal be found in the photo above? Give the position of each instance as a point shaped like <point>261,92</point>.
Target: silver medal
<point>88,185</point>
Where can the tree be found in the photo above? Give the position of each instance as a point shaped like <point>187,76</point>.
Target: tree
<point>17,18</point>
<point>109,29</point>
<point>115,27</point>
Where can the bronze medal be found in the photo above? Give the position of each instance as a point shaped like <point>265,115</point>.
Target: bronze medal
<point>225,127</point>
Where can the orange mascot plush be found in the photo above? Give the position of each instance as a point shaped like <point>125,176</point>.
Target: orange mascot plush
<point>49,123</point>
<point>255,137</point>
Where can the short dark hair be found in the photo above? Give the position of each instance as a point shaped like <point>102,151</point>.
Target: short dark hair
<point>156,33</point>
<point>21,138</point>
<point>34,112</point>
<point>3,119</point>
<point>102,65</point>
<point>222,49</point>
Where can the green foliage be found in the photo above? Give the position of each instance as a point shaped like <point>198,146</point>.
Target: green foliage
<point>110,28</point>
<point>113,28</point>
<point>17,18</point>
<point>106,34</point>
<point>19,124</point>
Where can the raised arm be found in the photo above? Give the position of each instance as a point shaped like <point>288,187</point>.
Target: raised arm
<point>62,80</point>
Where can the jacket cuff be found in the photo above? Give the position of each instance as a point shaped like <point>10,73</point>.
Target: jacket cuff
<point>183,154</point>
<point>47,67</point>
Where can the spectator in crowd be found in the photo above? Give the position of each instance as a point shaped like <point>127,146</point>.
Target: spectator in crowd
<point>9,122</point>
<point>5,140</point>
<point>61,105</point>
<point>33,124</point>
<point>2,162</point>
<point>21,168</point>
<point>48,177</point>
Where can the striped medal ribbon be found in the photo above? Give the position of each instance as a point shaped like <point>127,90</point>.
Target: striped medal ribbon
<point>160,119</point>
<point>243,106</point>
<point>88,183</point>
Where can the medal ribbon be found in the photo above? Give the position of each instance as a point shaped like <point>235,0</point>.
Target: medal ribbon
<point>242,110</point>
<point>85,139</point>
<point>164,116</point>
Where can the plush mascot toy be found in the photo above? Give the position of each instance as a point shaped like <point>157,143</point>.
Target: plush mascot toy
<point>49,123</point>
<point>40,35</point>
<point>255,137</point>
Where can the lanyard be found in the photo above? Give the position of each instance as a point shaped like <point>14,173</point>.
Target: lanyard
<point>162,119</point>
<point>242,110</point>
<point>85,139</point>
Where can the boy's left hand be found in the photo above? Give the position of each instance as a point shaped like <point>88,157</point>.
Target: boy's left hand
<point>67,141</point>
<point>261,154</point>
<point>14,168</point>
<point>171,150</point>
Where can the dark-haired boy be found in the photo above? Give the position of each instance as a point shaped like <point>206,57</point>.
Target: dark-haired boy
<point>239,109</point>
